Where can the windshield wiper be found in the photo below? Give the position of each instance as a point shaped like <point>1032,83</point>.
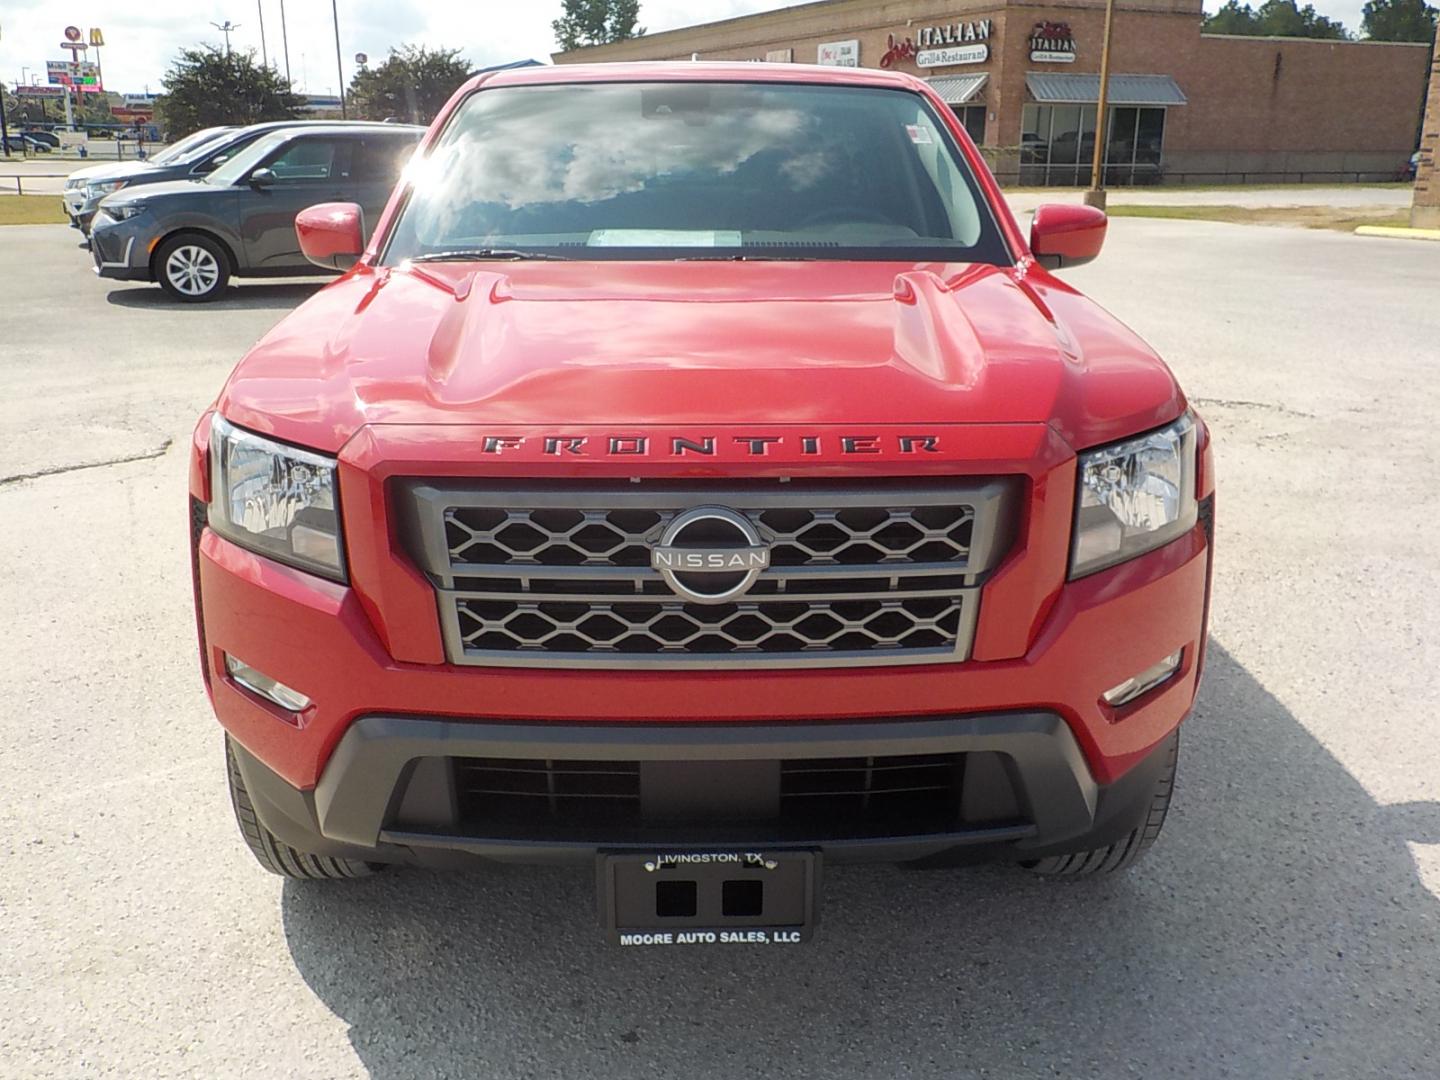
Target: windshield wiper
<point>487,253</point>
<point>746,258</point>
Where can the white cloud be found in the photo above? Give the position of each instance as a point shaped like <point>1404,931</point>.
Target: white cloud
<point>144,36</point>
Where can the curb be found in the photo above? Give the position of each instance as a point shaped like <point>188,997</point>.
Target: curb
<point>1398,233</point>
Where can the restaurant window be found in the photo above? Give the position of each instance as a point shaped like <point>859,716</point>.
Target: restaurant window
<point>972,119</point>
<point>1057,145</point>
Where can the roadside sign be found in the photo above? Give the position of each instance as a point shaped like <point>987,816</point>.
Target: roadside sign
<point>80,75</point>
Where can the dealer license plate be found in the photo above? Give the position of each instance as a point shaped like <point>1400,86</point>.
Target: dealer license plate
<point>709,897</point>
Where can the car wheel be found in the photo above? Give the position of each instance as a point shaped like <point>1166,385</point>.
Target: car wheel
<point>273,853</point>
<point>192,268</point>
<point>1123,852</point>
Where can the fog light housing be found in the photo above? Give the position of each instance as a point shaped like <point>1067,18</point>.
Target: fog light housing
<point>1145,681</point>
<point>272,690</point>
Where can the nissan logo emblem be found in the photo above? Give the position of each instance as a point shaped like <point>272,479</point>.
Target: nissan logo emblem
<point>710,555</point>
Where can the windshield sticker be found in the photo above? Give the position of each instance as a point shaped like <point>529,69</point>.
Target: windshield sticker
<point>663,238</point>
<point>918,134</point>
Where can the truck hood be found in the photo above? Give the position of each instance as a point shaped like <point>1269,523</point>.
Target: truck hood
<point>650,344</point>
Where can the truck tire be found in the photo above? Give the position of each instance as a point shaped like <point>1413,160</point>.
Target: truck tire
<point>192,267</point>
<point>1123,852</point>
<point>274,854</point>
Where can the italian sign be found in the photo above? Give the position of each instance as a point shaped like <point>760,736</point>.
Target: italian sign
<point>1052,43</point>
<point>962,54</point>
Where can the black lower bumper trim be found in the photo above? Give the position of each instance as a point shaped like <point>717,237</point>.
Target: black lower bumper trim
<point>375,754</point>
<point>388,792</point>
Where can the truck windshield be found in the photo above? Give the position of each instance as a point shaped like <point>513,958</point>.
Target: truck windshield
<point>695,170</point>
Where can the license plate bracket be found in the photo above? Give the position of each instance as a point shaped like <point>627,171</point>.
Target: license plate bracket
<point>709,897</point>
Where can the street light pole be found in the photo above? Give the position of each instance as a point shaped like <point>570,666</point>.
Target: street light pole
<point>285,40</point>
<point>339,71</point>
<point>225,29</point>
<point>1096,195</point>
<point>260,10</point>
<point>4,127</point>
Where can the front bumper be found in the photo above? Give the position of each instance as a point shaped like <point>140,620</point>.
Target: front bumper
<point>121,249</point>
<point>79,209</point>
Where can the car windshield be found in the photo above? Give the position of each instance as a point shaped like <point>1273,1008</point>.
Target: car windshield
<point>187,146</point>
<point>248,159</point>
<point>695,170</point>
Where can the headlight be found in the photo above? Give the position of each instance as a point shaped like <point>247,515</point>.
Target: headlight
<point>1134,496</point>
<point>125,211</point>
<point>275,500</point>
<point>103,187</point>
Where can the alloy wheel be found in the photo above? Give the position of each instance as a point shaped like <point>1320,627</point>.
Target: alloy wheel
<point>192,270</point>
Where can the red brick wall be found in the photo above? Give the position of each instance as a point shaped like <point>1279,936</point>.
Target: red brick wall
<point>1425,211</point>
<point>1292,94</point>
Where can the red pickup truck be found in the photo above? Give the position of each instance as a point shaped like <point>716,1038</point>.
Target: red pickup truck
<point>699,476</point>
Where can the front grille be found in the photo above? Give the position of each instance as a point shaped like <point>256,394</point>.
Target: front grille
<point>482,536</point>
<point>659,629</point>
<point>510,791</point>
<point>888,573</point>
<point>909,794</point>
<point>908,789</point>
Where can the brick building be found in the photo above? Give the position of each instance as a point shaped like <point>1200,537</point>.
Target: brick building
<point>1023,78</point>
<point>1425,209</point>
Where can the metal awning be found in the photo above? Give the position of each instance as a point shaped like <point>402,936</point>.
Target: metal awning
<point>1052,89</point>
<point>958,89</point>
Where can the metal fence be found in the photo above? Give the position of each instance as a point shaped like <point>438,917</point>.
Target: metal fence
<point>1026,177</point>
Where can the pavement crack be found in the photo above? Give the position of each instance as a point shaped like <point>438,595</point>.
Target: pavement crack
<point>1235,403</point>
<point>148,455</point>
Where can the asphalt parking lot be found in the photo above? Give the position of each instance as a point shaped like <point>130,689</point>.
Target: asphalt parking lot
<point>1287,924</point>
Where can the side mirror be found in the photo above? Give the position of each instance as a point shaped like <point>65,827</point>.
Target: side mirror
<point>262,178</point>
<point>1065,236</point>
<point>331,235</point>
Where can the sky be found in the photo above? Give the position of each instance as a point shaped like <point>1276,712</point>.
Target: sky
<point>142,36</point>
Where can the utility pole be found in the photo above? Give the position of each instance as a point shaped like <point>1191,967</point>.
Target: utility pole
<point>340,71</point>
<point>225,28</point>
<point>4,129</point>
<point>1096,195</point>
<point>260,10</point>
<point>285,40</point>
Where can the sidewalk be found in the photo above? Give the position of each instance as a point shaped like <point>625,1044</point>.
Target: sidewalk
<point>1340,197</point>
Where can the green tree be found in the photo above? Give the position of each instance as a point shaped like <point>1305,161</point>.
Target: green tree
<point>204,88</point>
<point>412,84</point>
<point>596,22</point>
<point>1233,18</point>
<point>1274,18</point>
<point>1399,20</point>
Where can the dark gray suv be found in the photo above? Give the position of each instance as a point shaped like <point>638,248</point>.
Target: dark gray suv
<point>192,236</point>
